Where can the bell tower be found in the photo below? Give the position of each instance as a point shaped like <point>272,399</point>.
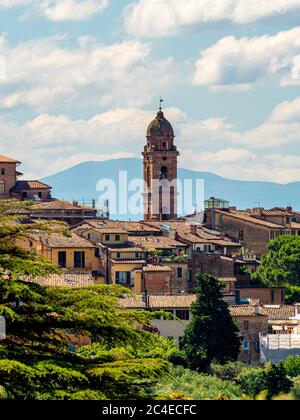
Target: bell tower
<point>160,171</point>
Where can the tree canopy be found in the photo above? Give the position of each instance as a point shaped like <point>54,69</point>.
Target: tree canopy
<point>212,333</point>
<point>37,361</point>
<point>281,265</point>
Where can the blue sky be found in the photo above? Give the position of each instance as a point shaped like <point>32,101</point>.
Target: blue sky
<point>82,79</point>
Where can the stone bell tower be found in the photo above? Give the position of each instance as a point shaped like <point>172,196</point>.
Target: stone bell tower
<point>160,171</point>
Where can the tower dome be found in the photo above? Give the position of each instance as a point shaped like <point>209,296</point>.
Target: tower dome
<point>160,126</point>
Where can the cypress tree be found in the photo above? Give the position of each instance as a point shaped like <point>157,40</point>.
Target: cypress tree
<point>212,334</point>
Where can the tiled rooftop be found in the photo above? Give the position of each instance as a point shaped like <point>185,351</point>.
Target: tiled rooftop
<point>246,217</point>
<point>247,311</point>
<point>30,185</point>
<point>156,268</point>
<point>160,302</point>
<point>280,312</point>
<point>157,242</point>
<point>134,262</point>
<point>61,205</point>
<point>60,240</point>
<point>6,159</point>
<point>197,234</point>
<point>70,280</point>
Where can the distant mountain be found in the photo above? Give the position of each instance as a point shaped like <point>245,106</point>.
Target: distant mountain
<point>80,182</point>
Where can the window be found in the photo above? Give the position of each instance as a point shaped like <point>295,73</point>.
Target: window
<point>273,295</point>
<point>25,195</point>
<point>107,238</point>
<point>183,315</point>
<point>40,194</point>
<point>2,171</point>
<point>123,278</point>
<point>246,346</point>
<point>118,255</point>
<point>242,235</point>
<point>2,187</point>
<point>246,325</point>
<point>62,259</point>
<point>79,259</point>
<point>30,244</point>
<point>168,318</point>
<point>117,238</point>
<point>89,236</point>
<point>179,273</point>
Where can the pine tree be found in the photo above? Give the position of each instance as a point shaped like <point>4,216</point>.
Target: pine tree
<point>212,334</point>
<point>36,359</point>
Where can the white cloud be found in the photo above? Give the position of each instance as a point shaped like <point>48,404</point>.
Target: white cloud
<point>238,63</point>
<point>158,18</point>
<point>48,144</point>
<point>58,10</point>
<point>44,74</point>
<point>61,10</point>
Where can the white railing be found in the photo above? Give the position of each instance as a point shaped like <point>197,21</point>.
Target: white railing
<point>277,347</point>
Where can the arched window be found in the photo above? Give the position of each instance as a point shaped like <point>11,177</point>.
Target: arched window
<point>164,172</point>
<point>2,187</point>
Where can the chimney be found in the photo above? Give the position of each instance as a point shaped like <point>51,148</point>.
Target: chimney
<point>289,209</point>
<point>194,229</point>
<point>75,203</point>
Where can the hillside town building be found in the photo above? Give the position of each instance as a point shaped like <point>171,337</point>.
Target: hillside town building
<point>12,187</point>
<point>254,228</point>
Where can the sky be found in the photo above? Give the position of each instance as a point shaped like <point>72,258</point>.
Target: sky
<point>80,80</point>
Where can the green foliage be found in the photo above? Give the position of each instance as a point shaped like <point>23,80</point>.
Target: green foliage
<point>36,362</point>
<point>292,294</point>
<point>272,379</point>
<point>295,390</point>
<point>228,371</point>
<point>197,386</point>
<point>178,358</point>
<point>212,333</point>
<point>292,366</point>
<point>281,266</point>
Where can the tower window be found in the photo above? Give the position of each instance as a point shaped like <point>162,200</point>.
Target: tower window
<point>164,172</point>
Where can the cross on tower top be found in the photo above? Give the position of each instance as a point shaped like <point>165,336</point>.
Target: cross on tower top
<point>160,103</point>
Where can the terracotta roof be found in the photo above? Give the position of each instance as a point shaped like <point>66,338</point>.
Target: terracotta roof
<point>59,240</point>
<point>157,242</point>
<point>133,227</point>
<point>61,205</point>
<point>125,250</point>
<point>201,235</point>
<point>160,302</point>
<point>100,226</point>
<point>30,185</point>
<point>247,311</point>
<point>280,312</point>
<point>142,262</point>
<point>156,268</point>
<point>5,159</point>
<point>245,216</point>
<point>295,225</point>
<point>70,280</point>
